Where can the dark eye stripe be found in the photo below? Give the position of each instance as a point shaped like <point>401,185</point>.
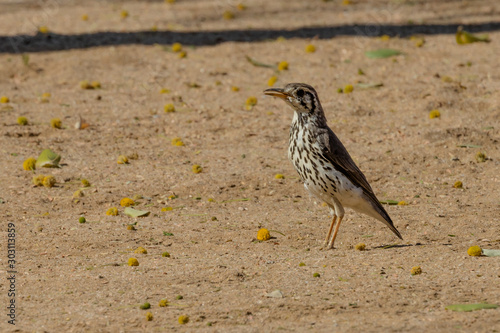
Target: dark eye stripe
<point>300,93</point>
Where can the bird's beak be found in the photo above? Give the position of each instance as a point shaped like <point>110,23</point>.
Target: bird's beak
<point>276,92</point>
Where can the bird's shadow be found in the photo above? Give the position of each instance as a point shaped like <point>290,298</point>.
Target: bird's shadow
<point>390,246</point>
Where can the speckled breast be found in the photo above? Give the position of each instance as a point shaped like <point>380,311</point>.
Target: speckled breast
<point>313,167</point>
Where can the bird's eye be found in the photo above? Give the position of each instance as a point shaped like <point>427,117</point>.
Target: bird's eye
<point>300,93</point>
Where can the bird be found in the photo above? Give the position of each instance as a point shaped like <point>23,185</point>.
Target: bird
<point>323,163</point>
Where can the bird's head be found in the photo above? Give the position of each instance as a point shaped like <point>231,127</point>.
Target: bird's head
<point>300,96</point>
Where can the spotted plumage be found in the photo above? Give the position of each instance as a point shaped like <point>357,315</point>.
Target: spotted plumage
<point>323,163</point>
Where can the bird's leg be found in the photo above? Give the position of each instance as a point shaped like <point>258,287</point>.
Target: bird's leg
<point>330,246</point>
<point>330,230</point>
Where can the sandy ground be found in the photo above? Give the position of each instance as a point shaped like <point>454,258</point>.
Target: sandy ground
<point>74,277</point>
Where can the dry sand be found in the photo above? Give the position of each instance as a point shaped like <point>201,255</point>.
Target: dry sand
<point>74,277</point>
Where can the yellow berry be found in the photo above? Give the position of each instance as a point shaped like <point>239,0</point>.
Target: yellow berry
<point>113,211</point>
<point>419,42</point>
<point>480,157</point>
<point>360,246</point>
<point>22,121</point>
<point>177,142</point>
<point>167,209</point>
<point>434,114</point>
<point>170,1</point>
<point>197,168</point>
<point>130,227</point>
<point>56,123</point>
<point>282,66</point>
<point>446,78</point>
<point>416,270</point>
<point>38,180</point>
<point>234,88</point>
<point>45,97</point>
<point>142,250</point>
<point>169,108</point>
<point>163,303</point>
<point>124,13</point>
<point>272,80</point>
<point>279,176</point>
<point>251,101</point>
<point>95,84</point>
<point>177,47</point>
<point>280,39</point>
<point>310,48</point>
<point>263,234</point>
<point>85,183</point>
<point>85,17</point>
<point>133,262</point>
<point>49,181</point>
<point>43,29</point>
<point>182,54</point>
<point>149,316</point>
<point>385,38</point>
<point>348,89</point>
<point>241,6</point>
<point>85,85</point>
<point>458,184</point>
<point>474,251</point>
<point>183,320</point>
<point>402,203</point>
<point>316,275</point>
<point>29,164</point>
<point>164,91</point>
<point>126,202</point>
<point>301,264</point>
<point>228,15</point>
<point>78,194</point>
<point>122,159</point>
<point>165,255</point>
<point>346,2</point>
<point>4,99</point>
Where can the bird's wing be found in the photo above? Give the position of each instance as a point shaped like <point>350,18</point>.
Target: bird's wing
<point>336,153</point>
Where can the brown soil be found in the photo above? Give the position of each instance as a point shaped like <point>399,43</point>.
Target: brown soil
<point>74,277</point>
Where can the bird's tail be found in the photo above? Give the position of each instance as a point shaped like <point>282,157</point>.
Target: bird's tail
<point>381,214</point>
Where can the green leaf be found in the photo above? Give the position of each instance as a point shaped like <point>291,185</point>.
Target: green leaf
<point>26,59</point>
<point>135,213</point>
<point>382,53</point>
<point>470,307</point>
<point>464,37</point>
<point>48,159</point>
<point>282,234</point>
<point>167,233</point>
<point>389,202</point>
<point>491,253</point>
<point>259,64</point>
<point>234,200</point>
<point>468,146</point>
<point>369,85</point>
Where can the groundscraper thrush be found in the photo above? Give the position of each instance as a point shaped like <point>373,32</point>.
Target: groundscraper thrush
<point>323,163</point>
